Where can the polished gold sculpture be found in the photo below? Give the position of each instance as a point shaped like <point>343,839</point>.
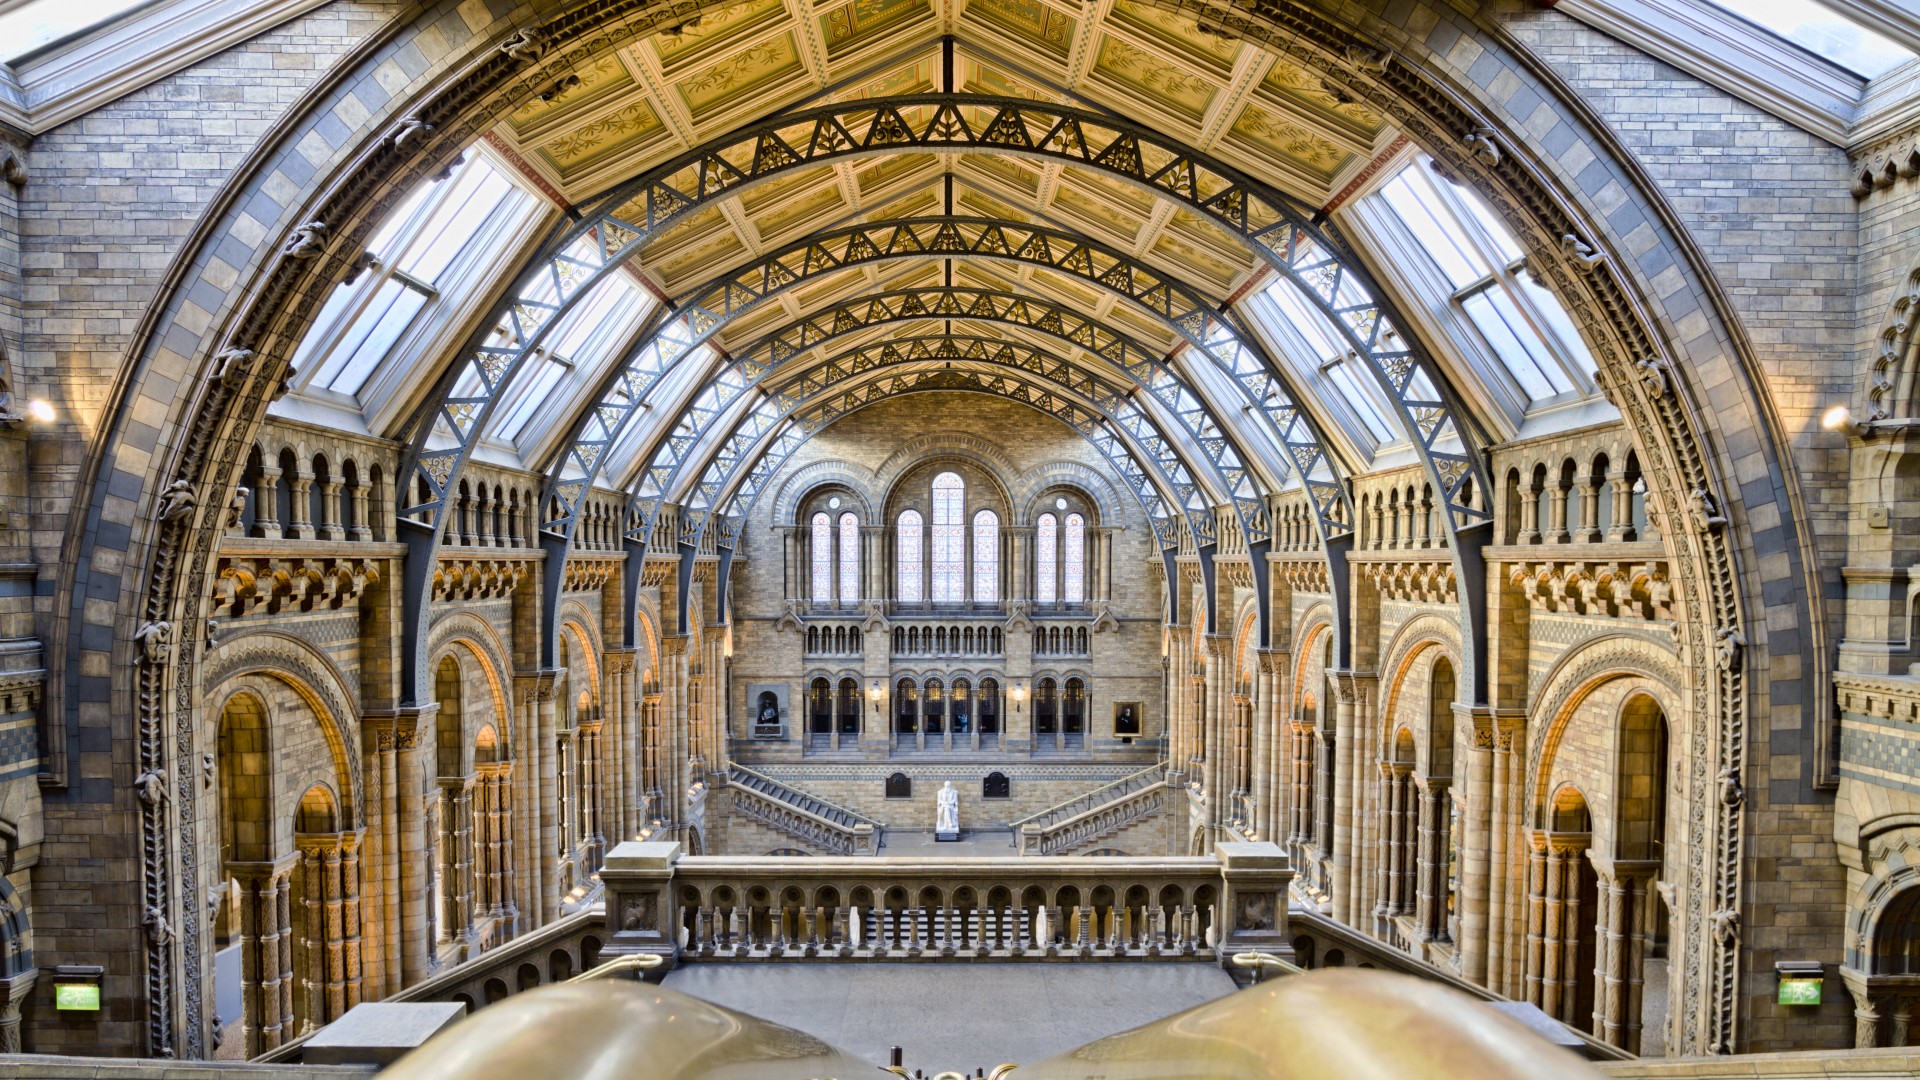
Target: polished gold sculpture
<point>1343,1024</point>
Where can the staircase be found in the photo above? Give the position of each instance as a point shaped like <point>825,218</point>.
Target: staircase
<point>1099,813</point>
<point>802,816</point>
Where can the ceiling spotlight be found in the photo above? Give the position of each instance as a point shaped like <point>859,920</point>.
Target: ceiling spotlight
<point>40,411</point>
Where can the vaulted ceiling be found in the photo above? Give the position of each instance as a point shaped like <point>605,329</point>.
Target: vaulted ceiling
<point>637,107</point>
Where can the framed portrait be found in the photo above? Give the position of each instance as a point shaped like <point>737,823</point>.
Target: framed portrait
<point>1127,717</point>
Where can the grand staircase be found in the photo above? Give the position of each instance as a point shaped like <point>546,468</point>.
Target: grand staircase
<point>1099,813</point>
<point>802,816</point>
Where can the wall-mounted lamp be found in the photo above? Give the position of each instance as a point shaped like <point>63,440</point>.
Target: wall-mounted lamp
<point>1019,696</point>
<point>40,411</point>
<point>873,694</point>
<point>1840,418</point>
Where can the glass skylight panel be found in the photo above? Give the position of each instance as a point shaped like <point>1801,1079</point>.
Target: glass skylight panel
<point>373,333</point>
<point>1523,352</point>
<point>1333,358</point>
<point>44,22</point>
<point>454,222</point>
<point>413,251</point>
<point>1419,207</point>
<point>1521,323</point>
<point>1824,33</point>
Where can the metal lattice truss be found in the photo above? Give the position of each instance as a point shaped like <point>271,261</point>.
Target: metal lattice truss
<point>617,227</point>
<point>1217,337</point>
<point>772,354</point>
<point>802,416</point>
<point>1112,401</point>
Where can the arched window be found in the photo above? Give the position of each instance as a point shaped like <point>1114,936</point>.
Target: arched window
<point>849,707</point>
<point>986,557</point>
<point>819,707</point>
<point>1045,707</point>
<point>1046,549</point>
<point>849,559</point>
<point>1074,560</point>
<point>908,556</point>
<point>822,559</point>
<point>949,539</point>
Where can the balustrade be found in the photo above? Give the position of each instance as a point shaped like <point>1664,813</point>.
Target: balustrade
<point>945,639</point>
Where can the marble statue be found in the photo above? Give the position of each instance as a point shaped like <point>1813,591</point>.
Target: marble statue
<point>946,805</point>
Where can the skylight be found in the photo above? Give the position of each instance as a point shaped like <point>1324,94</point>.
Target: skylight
<point>1824,33</point>
<point>44,22</point>
<point>362,322</point>
<point>1523,324</point>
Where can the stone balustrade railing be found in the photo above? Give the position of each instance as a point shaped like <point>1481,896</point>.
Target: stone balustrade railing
<point>772,803</point>
<point>724,908</point>
<point>948,638</point>
<point>1100,812</point>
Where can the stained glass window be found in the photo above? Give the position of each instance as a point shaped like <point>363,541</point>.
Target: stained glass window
<point>949,539</point>
<point>908,556</point>
<point>986,557</point>
<point>849,559</point>
<point>822,559</point>
<point>1046,549</point>
<point>1074,560</point>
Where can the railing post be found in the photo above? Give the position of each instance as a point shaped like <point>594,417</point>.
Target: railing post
<point>1253,899</point>
<point>643,915</point>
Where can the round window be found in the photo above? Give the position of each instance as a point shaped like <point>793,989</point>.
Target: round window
<point>833,503</point>
<point>1059,504</point>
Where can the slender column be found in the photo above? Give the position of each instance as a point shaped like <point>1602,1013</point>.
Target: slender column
<point>302,504</point>
<point>1620,525</point>
<point>1345,903</point>
<point>1530,515</point>
<point>1556,525</point>
<point>266,502</point>
<point>547,850</point>
<point>330,528</point>
<point>1590,508</point>
<point>1536,916</point>
<point>415,851</point>
<point>1866,1021</point>
<point>1552,910</point>
<point>360,530</point>
<point>1610,958</point>
<point>1475,856</point>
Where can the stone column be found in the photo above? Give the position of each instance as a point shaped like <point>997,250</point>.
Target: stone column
<point>330,528</point>
<point>545,761</point>
<point>1621,526</point>
<point>1474,900</point>
<point>14,992</point>
<point>301,515</point>
<point>266,502</point>
<point>360,530</point>
<point>415,848</point>
<point>330,961</point>
<point>1530,514</point>
<point>266,952</point>
<point>1590,508</point>
<point>1344,885</point>
<point>1556,525</point>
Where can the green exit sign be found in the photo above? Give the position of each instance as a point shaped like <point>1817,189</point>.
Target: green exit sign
<point>77,996</point>
<point>1799,991</point>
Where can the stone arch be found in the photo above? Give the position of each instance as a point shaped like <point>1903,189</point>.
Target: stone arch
<point>1424,633</point>
<point>463,634</point>
<point>799,486</point>
<point>1417,84</point>
<point>1635,663</point>
<point>1097,489</point>
<point>311,674</point>
<point>926,449</point>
